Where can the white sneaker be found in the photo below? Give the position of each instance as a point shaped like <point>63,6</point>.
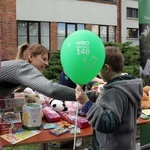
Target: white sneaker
<point>79,142</point>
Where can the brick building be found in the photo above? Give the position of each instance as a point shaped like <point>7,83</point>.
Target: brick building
<point>49,22</point>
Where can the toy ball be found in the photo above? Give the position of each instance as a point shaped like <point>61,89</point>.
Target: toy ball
<point>58,105</point>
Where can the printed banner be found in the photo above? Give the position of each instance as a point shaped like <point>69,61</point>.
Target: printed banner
<point>144,37</point>
<point>0,51</point>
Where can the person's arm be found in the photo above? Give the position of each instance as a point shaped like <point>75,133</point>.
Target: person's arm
<point>101,118</point>
<point>29,76</point>
<point>98,80</point>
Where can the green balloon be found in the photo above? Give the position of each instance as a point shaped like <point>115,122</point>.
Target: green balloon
<point>82,56</point>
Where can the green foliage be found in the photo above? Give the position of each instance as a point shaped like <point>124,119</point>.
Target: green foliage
<point>133,69</point>
<point>145,46</point>
<point>55,67</point>
<point>131,54</point>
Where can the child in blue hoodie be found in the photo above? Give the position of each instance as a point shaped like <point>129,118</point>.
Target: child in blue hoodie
<point>113,116</point>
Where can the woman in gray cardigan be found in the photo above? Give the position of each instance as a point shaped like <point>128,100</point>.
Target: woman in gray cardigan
<point>28,72</point>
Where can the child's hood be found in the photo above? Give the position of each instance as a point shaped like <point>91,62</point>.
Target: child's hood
<point>129,85</point>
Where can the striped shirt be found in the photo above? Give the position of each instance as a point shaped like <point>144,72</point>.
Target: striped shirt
<point>19,72</point>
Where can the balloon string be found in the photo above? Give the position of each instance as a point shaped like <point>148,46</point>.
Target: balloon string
<point>75,134</point>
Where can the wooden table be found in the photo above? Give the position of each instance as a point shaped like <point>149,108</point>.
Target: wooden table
<point>142,121</point>
<point>44,137</point>
<point>144,133</point>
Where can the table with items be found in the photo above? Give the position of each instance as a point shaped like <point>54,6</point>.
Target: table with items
<point>21,123</point>
<point>144,126</point>
<point>30,125</point>
<point>44,137</point>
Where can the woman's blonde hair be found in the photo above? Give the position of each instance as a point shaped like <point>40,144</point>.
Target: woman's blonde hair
<point>21,50</point>
<point>35,49</point>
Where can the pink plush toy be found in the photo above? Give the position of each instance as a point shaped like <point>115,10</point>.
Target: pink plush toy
<point>51,115</point>
<point>72,105</point>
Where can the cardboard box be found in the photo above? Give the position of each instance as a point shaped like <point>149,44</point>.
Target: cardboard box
<point>10,120</point>
<point>12,104</point>
<point>51,115</point>
<point>70,117</point>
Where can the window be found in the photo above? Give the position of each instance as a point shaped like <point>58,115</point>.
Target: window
<point>107,33</point>
<point>95,29</point>
<point>109,0</point>
<point>100,0</point>
<point>34,32</point>
<point>132,33</point>
<point>111,34</point>
<point>70,28</point>
<point>22,32</point>
<point>45,34</point>
<point>61,34</point>
<point>65,29</point>
<point>132,12</point>
<point>103,33</point>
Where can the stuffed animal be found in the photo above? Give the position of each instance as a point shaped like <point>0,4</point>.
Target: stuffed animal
<point>145,97</point>
<point>34,98</point>
<point>28,91</point>
<point>145,104</point>
<point>72,105</point>
<point>97,87</point>
<point>58,105</point>
<point>145,101</point>
<point>146,89</point>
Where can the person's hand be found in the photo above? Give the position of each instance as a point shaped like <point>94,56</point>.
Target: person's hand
<point>81,96</point>
<point>98,80</point>
<point>101,81</point>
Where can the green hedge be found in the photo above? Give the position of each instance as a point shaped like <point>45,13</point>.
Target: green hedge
<point>55,67</point>
<point>131,54</point>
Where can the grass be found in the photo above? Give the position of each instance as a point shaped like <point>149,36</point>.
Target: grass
<point>29,147</point>
<point>87,141</point>
<point>59,146</point>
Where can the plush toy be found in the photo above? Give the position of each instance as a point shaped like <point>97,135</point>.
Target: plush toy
<point>97,87</point>
<point>72,105</point>
<point>34,98</point>
<point>145,104</point>
<point>146,89</point>
<point>28,91</point>
<point>58,105</point>
<point>145,97</point>
<point>145,101</point>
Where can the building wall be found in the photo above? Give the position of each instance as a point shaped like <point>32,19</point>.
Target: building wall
<point>53,38</point>
<point>118,28</point>
<point>8,29</point>
<point>128,22</point>
<point>54,11</point>
<point>73,11</point>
